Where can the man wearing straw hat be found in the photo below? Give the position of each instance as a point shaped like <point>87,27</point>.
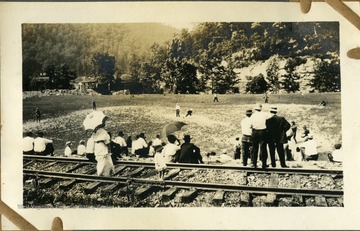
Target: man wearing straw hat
<point>259,135</point>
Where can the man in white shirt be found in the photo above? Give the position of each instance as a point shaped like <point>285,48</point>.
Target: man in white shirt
<point>67,151</point>
<point>140,147</point>
<point>28,144</point>
<point>259,135</point>
<point>43,146</point>
<point>122,143</point>
<point>309,149</point>
<point>246,140</point>
<point>157,141</point>
<point>81,149</point>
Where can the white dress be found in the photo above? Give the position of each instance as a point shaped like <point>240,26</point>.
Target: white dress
<point>105,166</point>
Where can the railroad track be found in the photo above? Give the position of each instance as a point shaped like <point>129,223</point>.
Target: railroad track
<point>186,183</point>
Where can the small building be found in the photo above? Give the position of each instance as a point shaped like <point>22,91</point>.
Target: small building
<point>84,83</point>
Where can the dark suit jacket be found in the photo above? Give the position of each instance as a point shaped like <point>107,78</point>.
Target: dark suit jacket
<point>190,153</point>
<point>277,127</point>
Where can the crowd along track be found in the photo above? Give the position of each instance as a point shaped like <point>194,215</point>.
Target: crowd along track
<point>323,187</point>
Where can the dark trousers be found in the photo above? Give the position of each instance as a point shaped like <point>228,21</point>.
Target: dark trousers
<point>91,157</point>
<point>49,150</point>
<point>246,151</point>
<point>237,153</point>
<point>143,152</point>
<point>259,138</point>
<point>280,150</point>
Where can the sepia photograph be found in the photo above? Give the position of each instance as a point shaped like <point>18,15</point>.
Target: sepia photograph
<point>232,114</point>
<point>149,115</point>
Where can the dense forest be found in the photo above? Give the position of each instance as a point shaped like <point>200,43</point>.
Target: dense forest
<point>155,58</point>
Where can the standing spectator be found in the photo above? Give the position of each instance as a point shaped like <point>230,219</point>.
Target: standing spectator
<point>215,98</point>
<point>246,139</point>
<point>43,146</point>
<point>122,143</point>
<point>81,149</point>
<point>266,98</point>
<point>101,137</point>
<point>277,127</point>
<point>37,115</point>
<point>94,105</point>
<point>67,151</point>
<point>309,149</point>
<point>189,152</point>
<point>159,160</point>
<point>177,110</point>
<point>170,150</point>
<point>259,135</point>
<point>140,147</point>
<point>294,130</point>
<point>237,148</point>
<point>28,144</point>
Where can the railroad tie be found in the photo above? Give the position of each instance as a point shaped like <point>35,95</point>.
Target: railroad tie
<point>270,199</point>
<point>119,168</point>
<point>341,201</point>
<point>274,180</point>
<point>90,188</point>
<point>111,187</point>
<point>46,182</point>
<point>169,194</point>
<point>320,201</point>
<point>79,165</point>
<point>296,181</point>
<point>188,196</point>
<point>218,198</point>
<point>172,173</point>
<point>136,172</point>
<point>244,199</point>
<point>143,192</point>
<point>67,185</point>
<point>297,200</point>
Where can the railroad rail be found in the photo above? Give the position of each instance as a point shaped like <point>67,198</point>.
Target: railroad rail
<point>146,183</point>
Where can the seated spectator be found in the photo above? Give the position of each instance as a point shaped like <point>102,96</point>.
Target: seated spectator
<point>81,149</point>
<point>170,150</point>
<point>189,152</point>
<point>156,142</point>
<point>43,146</point>
<point>28,144</point>
<point>114,149</point>
<point>139,146</point>
<point>151,149</point>
<point>67,151</point>
<point>337,156</point>
<point>298,155</point>
<point>309,149</point>
<point>129,142</point>
<point>305,134</point>
<point>237,148</point>
<point>122,143</point>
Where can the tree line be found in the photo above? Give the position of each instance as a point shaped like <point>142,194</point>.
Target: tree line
<point>204,59</point>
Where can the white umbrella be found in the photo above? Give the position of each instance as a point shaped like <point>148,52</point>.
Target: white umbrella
<point>94,119</point>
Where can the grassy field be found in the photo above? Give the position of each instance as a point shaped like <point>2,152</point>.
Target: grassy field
<point>214,126</point>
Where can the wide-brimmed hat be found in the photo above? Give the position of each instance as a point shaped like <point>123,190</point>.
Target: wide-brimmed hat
<point>273,109</point>
<point>248,112</point>
<point>158,148</point>
<point>68,142</point>
<point>81,142</point>
<point>258,106</point>
<point>310,136</point>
